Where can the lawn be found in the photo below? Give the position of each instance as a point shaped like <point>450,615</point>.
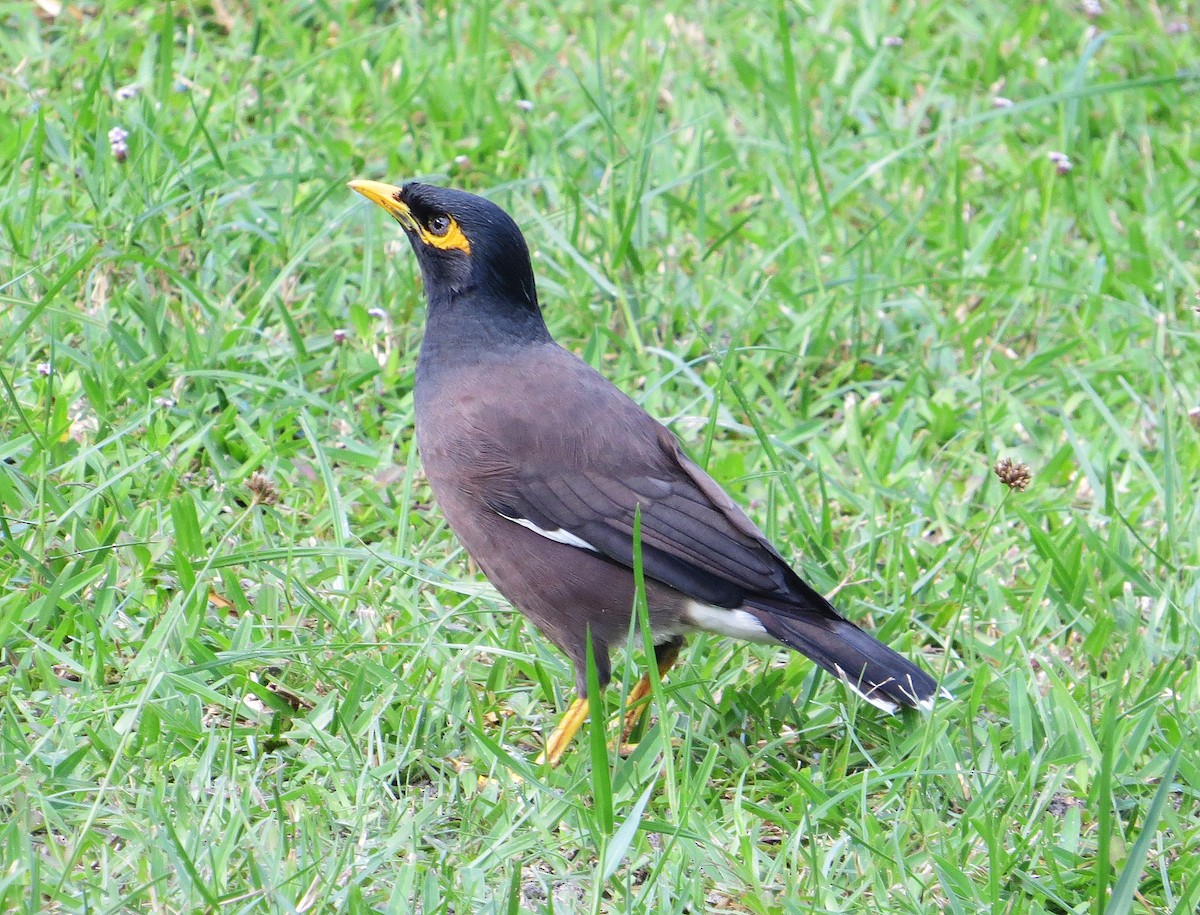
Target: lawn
<point>854,254</point>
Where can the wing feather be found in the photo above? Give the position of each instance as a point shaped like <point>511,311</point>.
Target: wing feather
<point>704,547</point>
<point>591,475</point>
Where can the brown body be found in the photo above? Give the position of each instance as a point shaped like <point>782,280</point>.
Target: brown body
<point>484,439</point>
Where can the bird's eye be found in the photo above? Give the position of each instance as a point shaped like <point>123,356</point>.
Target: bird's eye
<point>439,225</point>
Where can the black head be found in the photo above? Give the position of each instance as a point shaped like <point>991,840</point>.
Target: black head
<point>464,244</point>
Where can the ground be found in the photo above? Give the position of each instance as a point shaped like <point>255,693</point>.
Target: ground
<point>855,254</point>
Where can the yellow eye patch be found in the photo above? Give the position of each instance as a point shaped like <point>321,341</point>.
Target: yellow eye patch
<point>388,197</point>
<point>452,239</point>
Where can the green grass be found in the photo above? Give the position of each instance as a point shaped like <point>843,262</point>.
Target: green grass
<point>848,279</point>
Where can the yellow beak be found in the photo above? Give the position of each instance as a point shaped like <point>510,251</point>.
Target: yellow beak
<point>386,196</point>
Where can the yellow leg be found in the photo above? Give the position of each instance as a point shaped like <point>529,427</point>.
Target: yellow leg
<point>639,696</point>
<point>561,737</point>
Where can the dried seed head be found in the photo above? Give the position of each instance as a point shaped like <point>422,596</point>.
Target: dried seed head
<point>1061,803</point>
<point>262,489</point>
<point>1013,474</point>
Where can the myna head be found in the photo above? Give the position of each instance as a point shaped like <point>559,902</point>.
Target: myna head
<point>464,243</point>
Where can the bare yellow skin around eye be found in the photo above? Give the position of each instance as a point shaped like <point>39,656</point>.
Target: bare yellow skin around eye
<point>388,197</point>
<point>452,240</point>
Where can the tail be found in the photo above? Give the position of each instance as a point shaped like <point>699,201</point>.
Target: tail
<point>866,665</point>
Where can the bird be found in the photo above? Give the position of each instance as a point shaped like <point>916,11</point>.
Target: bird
<point>542,467</point>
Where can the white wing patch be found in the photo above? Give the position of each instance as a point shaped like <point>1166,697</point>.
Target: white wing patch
<point>558,535</point>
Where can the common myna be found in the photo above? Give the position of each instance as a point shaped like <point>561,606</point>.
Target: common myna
<point>539,464</point>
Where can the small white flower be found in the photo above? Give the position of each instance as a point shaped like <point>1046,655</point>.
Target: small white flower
<point>1001,102</point>
<point>1062,162</point>
<point>125,93</point>
<point>524,104</point>
<point>377,313</point>
<point>892,41</point>
<point>1092,8</point>
<point>340,335</point>
<point>117,145</point>
<point>43,369</point>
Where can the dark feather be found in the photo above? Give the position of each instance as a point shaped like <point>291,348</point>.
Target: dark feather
<point>840,647</point>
